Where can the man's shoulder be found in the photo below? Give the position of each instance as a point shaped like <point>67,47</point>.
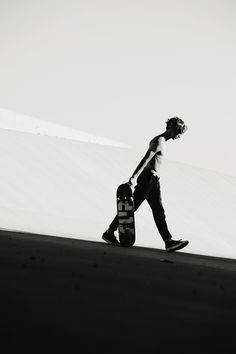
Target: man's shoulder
<point>156,141</point>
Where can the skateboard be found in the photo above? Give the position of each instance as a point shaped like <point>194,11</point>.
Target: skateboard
<point>125,212</point>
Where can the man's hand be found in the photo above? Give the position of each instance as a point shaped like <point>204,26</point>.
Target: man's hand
<point>132,183</point>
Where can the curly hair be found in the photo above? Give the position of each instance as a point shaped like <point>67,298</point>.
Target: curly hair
<point>177,124</point>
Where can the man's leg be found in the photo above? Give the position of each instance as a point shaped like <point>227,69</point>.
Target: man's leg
<point>155,202</point>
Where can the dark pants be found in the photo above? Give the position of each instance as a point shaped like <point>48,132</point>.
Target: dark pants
<point>148,187</point>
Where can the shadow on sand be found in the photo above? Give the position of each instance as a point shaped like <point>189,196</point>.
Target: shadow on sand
<point>71,295</point>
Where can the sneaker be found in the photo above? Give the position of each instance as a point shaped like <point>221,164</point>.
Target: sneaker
<point>109,237</point>
<point>174,245</point>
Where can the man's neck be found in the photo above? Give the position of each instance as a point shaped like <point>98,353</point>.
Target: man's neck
<point>166,135</point>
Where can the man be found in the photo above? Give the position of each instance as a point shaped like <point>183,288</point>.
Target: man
<point>145,182</point>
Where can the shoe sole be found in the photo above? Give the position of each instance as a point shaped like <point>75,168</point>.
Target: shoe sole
<point>177,247</point>
<point>110,243</point>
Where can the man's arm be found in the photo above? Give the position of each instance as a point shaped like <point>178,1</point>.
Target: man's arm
<point>143,163</point>
<point>145,160</point>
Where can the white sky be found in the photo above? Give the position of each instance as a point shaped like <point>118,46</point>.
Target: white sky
<point>121,68</point>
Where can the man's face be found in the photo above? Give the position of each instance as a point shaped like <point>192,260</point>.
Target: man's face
<point>175,134</point>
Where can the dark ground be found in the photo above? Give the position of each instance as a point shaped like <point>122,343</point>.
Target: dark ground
<point>73,296</point>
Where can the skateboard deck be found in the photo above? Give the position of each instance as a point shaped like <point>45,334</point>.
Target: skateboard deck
<point>125,212</point>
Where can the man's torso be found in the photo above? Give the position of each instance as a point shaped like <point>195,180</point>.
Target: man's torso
<point>156,144</point>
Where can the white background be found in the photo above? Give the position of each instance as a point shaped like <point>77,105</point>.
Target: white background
<point>121,68</point>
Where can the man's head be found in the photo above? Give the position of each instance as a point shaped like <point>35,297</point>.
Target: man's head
<point>175,126</point>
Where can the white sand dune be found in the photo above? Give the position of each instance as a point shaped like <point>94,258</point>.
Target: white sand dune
<point>23,123</point>
<point>56,181</point>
